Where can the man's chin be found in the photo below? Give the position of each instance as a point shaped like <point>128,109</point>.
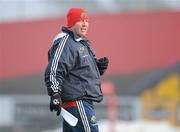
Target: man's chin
<point>82,34</point>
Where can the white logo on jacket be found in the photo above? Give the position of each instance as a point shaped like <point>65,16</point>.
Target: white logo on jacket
<point>82,52</point>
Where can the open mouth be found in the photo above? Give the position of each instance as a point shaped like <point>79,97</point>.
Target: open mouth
<point>83,29</point>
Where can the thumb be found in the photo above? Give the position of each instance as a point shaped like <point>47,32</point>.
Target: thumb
<point>106,59</point>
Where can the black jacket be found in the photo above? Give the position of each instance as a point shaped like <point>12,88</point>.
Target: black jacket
<point>72,70</point>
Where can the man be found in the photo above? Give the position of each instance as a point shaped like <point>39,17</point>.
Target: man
<point>73,73</point>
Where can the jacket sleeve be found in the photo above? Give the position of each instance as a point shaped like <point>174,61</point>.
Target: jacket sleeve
<point>60,62</point>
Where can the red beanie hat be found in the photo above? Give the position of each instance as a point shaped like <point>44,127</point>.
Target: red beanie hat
<point>74,15</point>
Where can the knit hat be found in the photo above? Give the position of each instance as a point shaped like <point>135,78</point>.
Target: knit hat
<point>74,15</point>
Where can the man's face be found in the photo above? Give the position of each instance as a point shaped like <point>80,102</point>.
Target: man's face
<point>81,27</point>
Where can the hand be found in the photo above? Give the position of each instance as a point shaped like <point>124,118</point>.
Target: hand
<point>102,64</point>
<point>55,103</point>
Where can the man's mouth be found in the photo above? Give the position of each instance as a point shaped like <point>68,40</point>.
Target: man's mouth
<point>83,29</point>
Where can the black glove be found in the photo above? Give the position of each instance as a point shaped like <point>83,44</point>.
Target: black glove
<point>55,103</point>
<point>102,64</point>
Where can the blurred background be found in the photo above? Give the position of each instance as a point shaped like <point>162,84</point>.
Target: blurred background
<point>141,86</point>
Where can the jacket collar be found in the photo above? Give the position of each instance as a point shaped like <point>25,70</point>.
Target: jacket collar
<point>77,39</point>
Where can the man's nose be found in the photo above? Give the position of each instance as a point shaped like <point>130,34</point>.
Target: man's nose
<point>84,23</point>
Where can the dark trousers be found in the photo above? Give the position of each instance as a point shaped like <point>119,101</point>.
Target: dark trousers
<point>85,113</point>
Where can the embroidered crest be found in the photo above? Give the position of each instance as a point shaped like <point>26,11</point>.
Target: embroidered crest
<point>93,119</point>
<point>84,16</point>
<point>81,50</point>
